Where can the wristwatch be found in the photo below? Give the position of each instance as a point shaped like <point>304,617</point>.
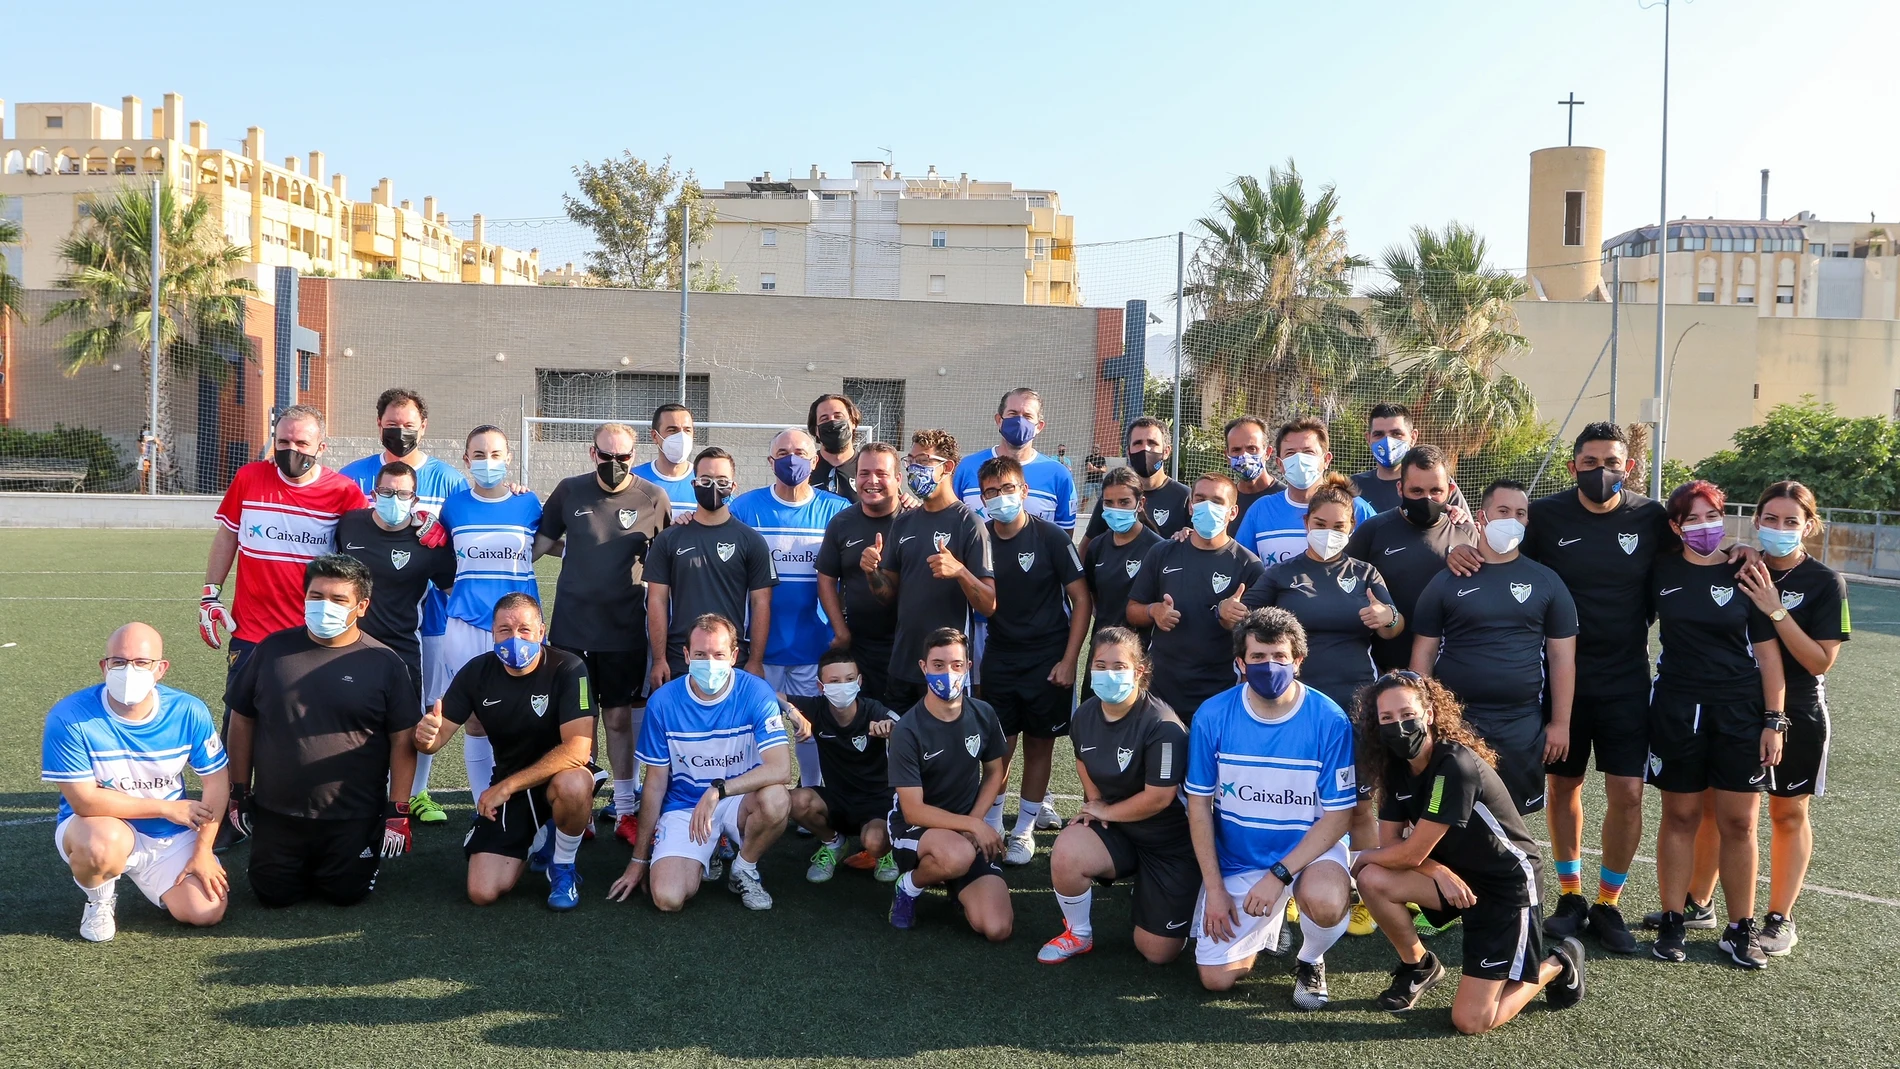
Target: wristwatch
<point>720,786</point>
<point>1776,720</point>
<point>1280,873</point>
<point>1778,615</point>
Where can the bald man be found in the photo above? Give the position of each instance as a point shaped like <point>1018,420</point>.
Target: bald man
<point>118,750</point>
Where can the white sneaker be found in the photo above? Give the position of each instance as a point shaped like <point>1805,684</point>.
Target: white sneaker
<point>98,924</point>
<point>750,891</point>
<point>1048,819</point>
<point>1022,850</point>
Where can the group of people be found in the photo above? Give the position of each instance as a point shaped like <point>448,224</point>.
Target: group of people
<point>1294,698</point>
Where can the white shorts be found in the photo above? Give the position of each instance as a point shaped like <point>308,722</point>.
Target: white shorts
<point>459,644</point>
<point>153,865</point>
<point>674,836</point>
<point>799,679</point>
<point>1253,934</point>
<point>436,675</point>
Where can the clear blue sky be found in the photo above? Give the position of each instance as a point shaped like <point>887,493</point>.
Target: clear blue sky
<point>1421,112</point>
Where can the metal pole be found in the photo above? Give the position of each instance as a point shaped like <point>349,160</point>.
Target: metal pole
<point>1180,278</point>
<point>157,319</point>
<point>686,280</point>
<point>1616,320</point>
<point>1662,274</point>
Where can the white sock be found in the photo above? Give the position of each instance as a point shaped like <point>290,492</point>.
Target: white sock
<point>908,885</point>
<point>995,817</point>
<point>424,762</point>
<point>741,865</point>
<point>101,892</point>
<point>808,775</point>
<point>478,756</point>
<point>1315,941</point>
<point>836,842</point>
<point>626,798</point>
<point>1026,812</point>
<point>565,847</point>
<point>1076,911</point>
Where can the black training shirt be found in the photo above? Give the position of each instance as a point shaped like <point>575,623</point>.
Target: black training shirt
<point>1409,558</point>
<point>1383,494</point>
<point>708,568</point>
<point>1326,598</point>
<point>1604,560</point>
<point>600,597</point>
<point>1030,627</point>
<point>854,762</point>
<point>401,570</point>
<point>872,620</point>
<point>1485,842</point>
<point>1111,570</point>
<point>1164,510</point>
<point>945,759</point>
<point>1815,595</point>
<point>925,602</point>
<point>1492,627</point>
<point>1194,662</point>
<point>522,714</point>
<point>1708,630</point>
<point>842,481</point>
<point>1148,747</point>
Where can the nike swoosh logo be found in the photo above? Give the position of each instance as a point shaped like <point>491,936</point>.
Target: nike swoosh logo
<point>1493,964</point>
<point>1793,786</point>
<point>928,756</point>
<point>1533,801</point>
<point>1169,571</point>
<point>491,701</point>
<point>905,539</point>
<point>1172,925</point>
<point>1758,779</point>
<point>1473,590</point>
<point>852,542</point>
<point>1671,590</point>
<point>683,552</point>
<point>346,546</point>
<point>1568,541</point>
<point>583,512</point>
<point>1396,549</point>
<point>1085,749</point>
<point>1403,797</point>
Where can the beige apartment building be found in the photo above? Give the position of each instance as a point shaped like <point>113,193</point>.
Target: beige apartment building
<point>882,234</point>
<point>58,156</point>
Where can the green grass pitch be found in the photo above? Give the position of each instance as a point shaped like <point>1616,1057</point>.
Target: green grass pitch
<point>417,977</point>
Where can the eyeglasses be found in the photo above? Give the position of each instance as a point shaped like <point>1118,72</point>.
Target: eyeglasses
<point>399,495</point>
<point>711,483</point>
<point>926,461</point>
<point>998,491</point>
<point>145,663</point>
<point>624,458</point>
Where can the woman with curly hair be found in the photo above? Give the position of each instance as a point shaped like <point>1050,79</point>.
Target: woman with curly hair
<point>1457,847</point>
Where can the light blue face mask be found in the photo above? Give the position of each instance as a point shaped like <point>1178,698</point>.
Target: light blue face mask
<point>1113,686</point>
<point>326,619</point>
<point>1777,543</point>
<point>488,473</point>
<point>1210,518</point>
<point>1302,470</point>
<point>1004,508</point>
<point>394,511</point>
<point>1121,521</point>
<point>711,675</point>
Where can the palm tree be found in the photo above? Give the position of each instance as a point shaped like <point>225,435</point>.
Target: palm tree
<point>12,296</point>
<point>201,319</point>
<point>1270,284</point>
<point>1446,320</point>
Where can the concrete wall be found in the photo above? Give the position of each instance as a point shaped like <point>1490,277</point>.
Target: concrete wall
<point>175,511</point>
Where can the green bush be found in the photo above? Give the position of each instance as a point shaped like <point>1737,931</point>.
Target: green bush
<point>1848,463</point>
<point>105,469</point>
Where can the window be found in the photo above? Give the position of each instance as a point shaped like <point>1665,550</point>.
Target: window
<point>1042,248</point>
<point>1744,294</point>
<point>769,237</point>
<point>55,122</point>
<point>303,372</point>
<point>768,281</point>
<point>1758,391</point>
<point>1815,248</point>
<point>937,288</point>
<point>1573,217</point>
<point>626,396</point>
<point>1784,294</point>
<point>1628,294</point>
<point>1839,252</point>
<point>1705,294</point>
<point>939,239</point>
<point>881,401</point>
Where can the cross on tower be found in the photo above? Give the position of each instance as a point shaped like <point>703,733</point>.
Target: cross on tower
<point>1570,129</point>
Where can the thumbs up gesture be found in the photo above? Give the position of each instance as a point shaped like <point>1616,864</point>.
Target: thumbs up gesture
<point>873,556</point>
<point>944,564</point>
<point>1231,610</point>
<point>1377,615</point>
<point>1164,613</point>
<point>430,730</point>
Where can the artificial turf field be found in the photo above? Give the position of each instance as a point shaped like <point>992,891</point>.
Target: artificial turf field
<point>416,977</point>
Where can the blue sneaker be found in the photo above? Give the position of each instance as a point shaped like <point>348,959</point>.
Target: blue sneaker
<point>903,909</point>
<point>564,892</point>
<point>543,855</point>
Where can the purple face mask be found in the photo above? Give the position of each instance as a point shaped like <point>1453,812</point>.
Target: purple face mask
<point>1704,538</point>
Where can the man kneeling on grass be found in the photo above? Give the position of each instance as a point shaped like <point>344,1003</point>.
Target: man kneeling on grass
<point>536,703</point>
<point>853,792</point>
<point>1457,847</point>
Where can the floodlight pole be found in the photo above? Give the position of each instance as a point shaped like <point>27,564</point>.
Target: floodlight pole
<point>1180,274</point>
<point>1662,277</point>
<point>686,280</point>
<point>1616,321</point>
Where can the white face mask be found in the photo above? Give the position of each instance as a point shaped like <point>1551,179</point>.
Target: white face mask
<point>130,684</point>
<point>842,694</point>
<point>1503,536</point>
<point>677,447</point>
<point>326,619</point>
<point>1326,544</point>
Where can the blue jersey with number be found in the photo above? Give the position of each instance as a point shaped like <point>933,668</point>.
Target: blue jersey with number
<point>1275,527</point>
<point>436,480</point>
<point>679,492</point>
<point>86,742</point>
<point>1270,782</point>
<point>494,552</point>
<point>800,633</point>
<point>699,741</point>
<point>1049,495</point>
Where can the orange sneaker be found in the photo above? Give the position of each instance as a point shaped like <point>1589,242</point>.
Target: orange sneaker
<point>1064,946</point>
<point>860,860</point>
<point>627,828</point>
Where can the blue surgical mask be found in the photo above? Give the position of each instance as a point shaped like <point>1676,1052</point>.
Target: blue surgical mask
<point>517,652</point>
<point>1270,679</point>
<point>1249,466</point>
<point>921,478</point>
<point>1777,543</point>
<point>792,469</point>
<point>488,474</point>
<point>712,676</point>
<point>394,511</point>
<point>945,685</point>
<point>1387,452</point>
<point>1302,470</point>
<point>1004,508</point>
<point>1121,521</point>
<point>1019,431</point>
<point>1113,686</point>
<point>326,619</point>
<point>1210,518</point>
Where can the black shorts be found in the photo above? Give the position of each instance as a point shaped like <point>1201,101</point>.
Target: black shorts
<point>874,671</point>
<point>1803,767</point>
<point>1501,942</point>
<point>1026,703</point>
<point>904,840</point>
<point>293,858</point>
<point>1616,728</point>
<point>902,694</point>
<point>1695,745</point>
<point>1167,882</point>
<point>616,676</point>
<point>510,833</point>
<point>848,814</point>
<point>236,652</point>
<point>1518,737</point>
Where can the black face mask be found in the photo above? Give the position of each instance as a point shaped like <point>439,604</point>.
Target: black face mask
<point>400,441</point>
<point>611,471</point>
<point>710,498</point>
<point>1600,484</point>
<point>1403,739</point>
<point>293,464</point>
<point>1422,511</point>
<point>834,435</point>
<point>1145,461</point>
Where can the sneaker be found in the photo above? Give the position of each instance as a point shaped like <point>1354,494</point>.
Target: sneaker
<point>1742,945</point>
<point>542,857</point>
<point>1410,982</point>
<point>1568,918</point>
<point>803,831</point>
<point>1065,946</point>
<point>1424,926</point>
<point>1566,989</point>
<point>100,921</point>
<point>424,810</point>
<point>564,887</point>
<point>824,864</point>
<point>627,829</point>
<point>1777,935</point>
<point>229,835</point>
<point>862,861</point>
<point>750,891</point>
<point>1606,923</point>
<point>1285,943</point>
<point>1359,921</point>
<point>716,865</point>
<point>1292,910</point>
<point>1022,850</point>
<point>1697,915</point>
<point>1048,819</point>
<point>1671,944</point>
<point>887,868</point>
<point>903,908</point>
<point>1309,985</point>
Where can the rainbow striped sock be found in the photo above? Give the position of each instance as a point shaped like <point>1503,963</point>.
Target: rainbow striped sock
<point>1570,876</point>
<point>1609,885</point>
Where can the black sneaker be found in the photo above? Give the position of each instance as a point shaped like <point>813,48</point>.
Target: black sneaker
<point>1410,982</point>
<point>229,835</point>
<point>1742,945</point>
<point>1777,935</point>
<point>1606,923</point>
<point>1569,917</point>
<point>1567,989</point>
<point>1697,915</point>
<point>1671,944</point>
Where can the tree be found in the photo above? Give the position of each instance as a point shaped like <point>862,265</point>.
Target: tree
<point>12,296</point>
<point>1270,283</point>
<point>633,209</point>
<point>201,315</point>
<point>385,273</point>
<point>1446,321</point>
<point>1848,463</point>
